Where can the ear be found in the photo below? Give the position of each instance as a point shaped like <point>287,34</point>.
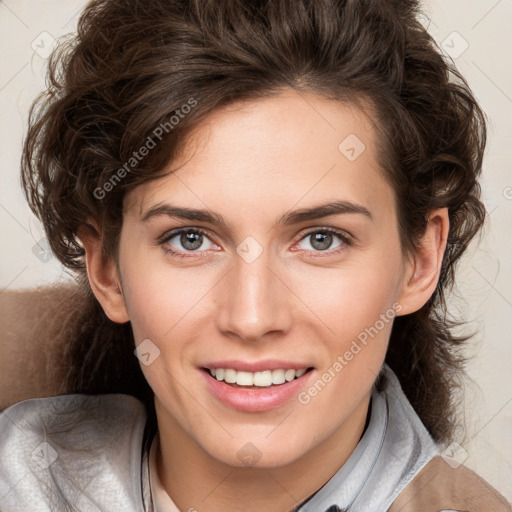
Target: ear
<point>423,268</point>
<point>103,274</point>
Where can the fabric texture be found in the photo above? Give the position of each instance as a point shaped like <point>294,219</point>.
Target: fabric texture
<point>394,448</point>
<point>85,453</point>
<point>448,485</point>
<point>72,452</point>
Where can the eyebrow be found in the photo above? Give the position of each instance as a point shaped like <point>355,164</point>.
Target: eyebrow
<point>294,217</point>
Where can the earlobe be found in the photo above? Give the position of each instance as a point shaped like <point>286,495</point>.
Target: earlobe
<point>423,268</point>
<point>103,275</point>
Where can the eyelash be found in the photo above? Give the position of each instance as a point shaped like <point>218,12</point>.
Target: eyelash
<point>345,238</point>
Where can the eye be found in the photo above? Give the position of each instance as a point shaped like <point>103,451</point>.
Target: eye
<point>184,240</point>
<point>321,240</point>
<point>192,242</point>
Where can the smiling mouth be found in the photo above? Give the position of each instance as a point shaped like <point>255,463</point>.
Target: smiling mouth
<point>255,380</point>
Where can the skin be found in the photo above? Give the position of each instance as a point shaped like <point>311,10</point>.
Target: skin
<point>252,163</point>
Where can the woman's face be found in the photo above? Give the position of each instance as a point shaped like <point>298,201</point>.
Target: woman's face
<point>283,282</point>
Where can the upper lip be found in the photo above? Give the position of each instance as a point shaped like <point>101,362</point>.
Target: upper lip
<point>256,366</point>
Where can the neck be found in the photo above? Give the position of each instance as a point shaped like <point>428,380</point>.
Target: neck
<point>197,481</point>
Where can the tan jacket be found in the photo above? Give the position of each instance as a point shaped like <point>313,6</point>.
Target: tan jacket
<point>439,486</point>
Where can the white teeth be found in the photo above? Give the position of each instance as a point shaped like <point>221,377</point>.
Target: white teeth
<point>290,374</point>
<point>278,377</point>
<point>230,376</point>
<point>244,378</point>
<point>261,379</point>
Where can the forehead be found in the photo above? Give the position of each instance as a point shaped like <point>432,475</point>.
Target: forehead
<point>273,153</point>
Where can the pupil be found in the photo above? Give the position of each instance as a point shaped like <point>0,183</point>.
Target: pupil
<point>195,239</point>
<point>323,239</point>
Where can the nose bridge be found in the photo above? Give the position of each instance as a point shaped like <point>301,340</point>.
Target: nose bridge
<point>254,300</point>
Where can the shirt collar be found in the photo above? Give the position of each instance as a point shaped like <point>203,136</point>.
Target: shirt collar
<point>395,446</point>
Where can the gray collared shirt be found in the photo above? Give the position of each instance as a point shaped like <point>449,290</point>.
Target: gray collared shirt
<point>86,452</point>
<point>394,448</point>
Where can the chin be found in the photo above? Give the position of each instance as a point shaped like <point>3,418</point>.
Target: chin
<point>255,454</point>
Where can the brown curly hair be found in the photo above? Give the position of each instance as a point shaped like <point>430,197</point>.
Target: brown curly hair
<point>134,63</point>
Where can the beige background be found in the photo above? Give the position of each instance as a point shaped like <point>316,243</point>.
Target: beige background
<point>477,35</point>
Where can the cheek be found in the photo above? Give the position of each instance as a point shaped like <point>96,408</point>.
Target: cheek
<point>361,319</point>
<point>349,300</point>
<point>161,305</point>
<point>357,319</point>
<point>161,299</point>
<point>357,307</point>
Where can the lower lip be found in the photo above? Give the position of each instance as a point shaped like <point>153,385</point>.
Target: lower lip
<point>255,400</point>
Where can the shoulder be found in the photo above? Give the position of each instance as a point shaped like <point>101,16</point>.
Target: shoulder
<point>426,481</point>
<point>440,486</point>
<point>51,449</point>
<point>49,415</point>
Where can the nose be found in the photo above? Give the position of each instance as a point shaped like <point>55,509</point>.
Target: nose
<point>253,300</point>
